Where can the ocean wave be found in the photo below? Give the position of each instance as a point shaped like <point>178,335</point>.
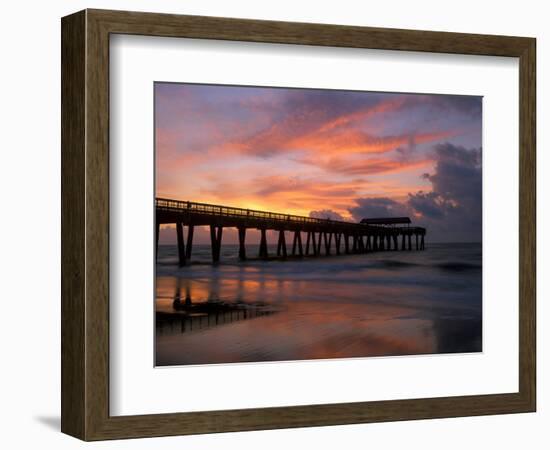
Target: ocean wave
<point>394,264</point>
<point>457,266</point>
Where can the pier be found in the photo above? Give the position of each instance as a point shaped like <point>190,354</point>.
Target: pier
<point>310,236</point>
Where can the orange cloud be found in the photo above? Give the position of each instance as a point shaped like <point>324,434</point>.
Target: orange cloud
<point>368,166</point>
<point>347,119</point>
<point>355,141</point>
<point>309,129</point>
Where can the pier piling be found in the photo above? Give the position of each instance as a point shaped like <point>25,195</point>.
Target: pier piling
<point>189,249</point>
<point>157,239</point>
<point>378,234</point>
<point>242,239</point>
<point>297,244</point>
<point>181,243</point>
<point>281,244</point>
<point>216,242</point>
<point>263,244</point>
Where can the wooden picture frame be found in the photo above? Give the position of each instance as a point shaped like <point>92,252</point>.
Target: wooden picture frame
<point>85,224</point>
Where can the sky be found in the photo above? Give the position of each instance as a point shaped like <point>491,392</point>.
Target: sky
<point>346,155</point>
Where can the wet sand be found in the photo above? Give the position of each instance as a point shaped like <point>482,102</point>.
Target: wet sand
<point>384,304</point>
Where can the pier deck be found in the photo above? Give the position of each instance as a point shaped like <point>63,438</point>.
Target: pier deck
<point>338,237</point>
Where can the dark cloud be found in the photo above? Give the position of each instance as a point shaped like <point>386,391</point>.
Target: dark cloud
<point>465,104</point>
<point>457,173</point>
<point>331,103</point>
<point>452,210</point>
<point>371,207</point>
<point>428,204</point>
<point>326,214</point>
<point>454,207</point>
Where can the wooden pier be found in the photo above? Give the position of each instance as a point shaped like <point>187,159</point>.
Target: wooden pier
<point>310,236</point>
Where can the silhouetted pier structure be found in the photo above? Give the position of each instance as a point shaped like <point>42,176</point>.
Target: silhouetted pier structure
<point>322,236</point>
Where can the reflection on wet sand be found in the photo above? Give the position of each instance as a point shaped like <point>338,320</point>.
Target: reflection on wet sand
<point>300,329</point>
<point>303,330</point>
<point>356,307</point>
<point>187,316</point>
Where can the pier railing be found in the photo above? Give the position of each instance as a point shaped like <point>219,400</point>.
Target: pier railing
<point>365,237</point>
<point>242,213</point>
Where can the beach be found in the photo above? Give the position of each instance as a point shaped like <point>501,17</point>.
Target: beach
<point>364,305</point>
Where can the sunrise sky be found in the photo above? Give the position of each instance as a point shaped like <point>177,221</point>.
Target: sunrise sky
<point>326,153</point>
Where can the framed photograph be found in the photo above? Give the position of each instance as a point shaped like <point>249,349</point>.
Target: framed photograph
<point>270,224</point>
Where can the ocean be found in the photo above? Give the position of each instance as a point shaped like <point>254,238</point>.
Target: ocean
<point>390,303</point>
